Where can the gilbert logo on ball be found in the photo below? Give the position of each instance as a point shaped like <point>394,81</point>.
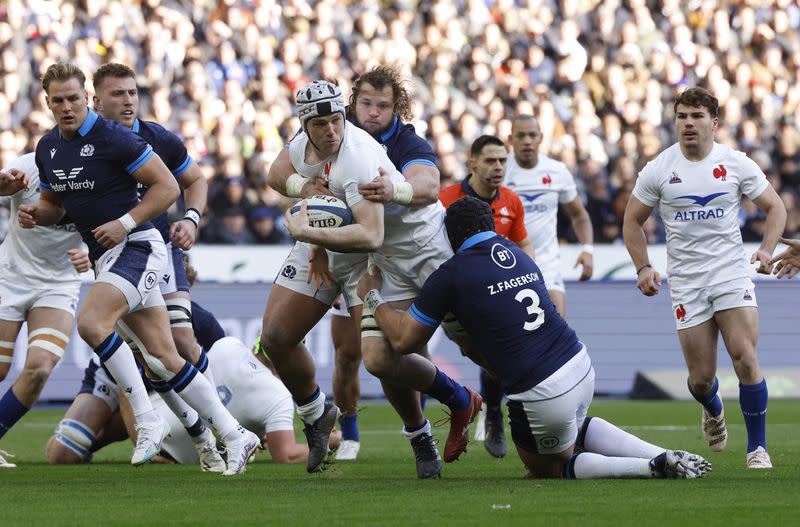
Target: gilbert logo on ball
<point>325,211</point>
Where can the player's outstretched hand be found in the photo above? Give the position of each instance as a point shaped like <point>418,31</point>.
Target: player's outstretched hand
<point>380,189</point>
<point>26,214</point>
<point>79,260</point>
<point>297,223</point>
<point>12,181</point>
<point>110,233</point>
<point>762,257</point>
<point>372,279</point>
<point>586,261</point>
<point>183,234</point>
<point>649,281</point>
<point>314,186</point>
<point>787,263</point>
<point>318,267</point>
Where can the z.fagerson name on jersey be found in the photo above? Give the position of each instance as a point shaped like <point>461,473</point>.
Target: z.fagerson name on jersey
<point>512,283</point>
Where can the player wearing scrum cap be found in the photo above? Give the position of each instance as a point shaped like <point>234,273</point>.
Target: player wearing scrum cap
<point>336,152</point>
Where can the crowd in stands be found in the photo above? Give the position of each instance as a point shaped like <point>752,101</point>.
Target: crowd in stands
<point>600,76</point>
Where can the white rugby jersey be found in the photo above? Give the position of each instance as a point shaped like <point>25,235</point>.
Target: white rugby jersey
<point>541,189</point>
<point>36,256</point>
<point>406,229</point>
<point>699,204</point>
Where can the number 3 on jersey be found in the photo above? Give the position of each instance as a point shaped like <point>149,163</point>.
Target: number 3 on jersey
<point>533,309</point>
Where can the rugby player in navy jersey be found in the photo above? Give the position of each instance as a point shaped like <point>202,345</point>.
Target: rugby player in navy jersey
<point>117,98</point>
<point>497,293</point>
<point>89,169</point>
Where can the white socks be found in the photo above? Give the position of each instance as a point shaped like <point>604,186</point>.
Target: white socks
<point>595,466</point>
<point>125,371</point>
<point>203,397</point>
<point>312,411</point>
<point>604,438</point>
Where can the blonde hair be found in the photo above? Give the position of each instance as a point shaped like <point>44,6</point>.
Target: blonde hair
<point>62,72</point>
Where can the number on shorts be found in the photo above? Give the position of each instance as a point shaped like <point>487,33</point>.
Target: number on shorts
<point>533,309</point>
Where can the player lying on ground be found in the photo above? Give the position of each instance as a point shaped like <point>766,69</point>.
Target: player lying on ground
<point>497,293</point>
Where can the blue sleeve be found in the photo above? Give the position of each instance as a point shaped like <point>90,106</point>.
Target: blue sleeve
<point>132,150</point>
<point>206,327</point>
<point>416,151</point>
<point>434,301</point>
<point>179,159</point>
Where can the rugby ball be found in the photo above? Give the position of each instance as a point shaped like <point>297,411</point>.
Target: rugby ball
<point>325,211</point>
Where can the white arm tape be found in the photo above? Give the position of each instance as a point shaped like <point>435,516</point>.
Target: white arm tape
<point>403,193</point>
<point>294,185</point>
<point>587,248</point>
<point>128,222</point>
<point>372,301</point>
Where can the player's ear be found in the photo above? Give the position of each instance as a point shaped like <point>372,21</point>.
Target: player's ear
<point>98,106</point>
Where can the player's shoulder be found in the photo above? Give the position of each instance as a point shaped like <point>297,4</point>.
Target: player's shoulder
<point>407,136</point>
<point>112,129</point>
<point>548,163</point>
<point>359,145</point>
<point>25,162</point>
<point>156,130</point>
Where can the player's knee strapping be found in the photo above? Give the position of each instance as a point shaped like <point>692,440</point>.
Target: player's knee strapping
<point>49,339</point>
<point>180,312</point>
<point>6,351</point>
<point>76,436</point>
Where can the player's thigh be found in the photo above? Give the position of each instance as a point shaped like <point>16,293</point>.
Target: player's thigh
<point>289,316</point>
<point>9,330</point>
<point>739,327</point>
<point>104,305</point>
<point>699,346</point>
<point>346,335</point>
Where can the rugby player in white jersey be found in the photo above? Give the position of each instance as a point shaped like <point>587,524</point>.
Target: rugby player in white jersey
<point>38,286</point>
<point>697,185</point>
<point>542,184</point>
<point>409,241</point>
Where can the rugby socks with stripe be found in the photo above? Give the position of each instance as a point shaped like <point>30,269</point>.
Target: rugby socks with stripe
<point>187,415</point>
<point>198,392</point>
<point>204,367</point>
<point>118,360</point>
<point>349,426</point>
<point>311,409</point>
<point>710,401</point>
<point>448,392</point>
<point>753,399</point>
<point>11,411</point>
<point>601,437</point>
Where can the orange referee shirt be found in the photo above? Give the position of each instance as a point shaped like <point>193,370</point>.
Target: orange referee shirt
<point>509,216</point>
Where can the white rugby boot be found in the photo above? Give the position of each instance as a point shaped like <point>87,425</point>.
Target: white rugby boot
<point>758,458</point>
<point>210,458</point>
<point>3,462</point>
<point>348,450</point>
<point>149,437</point>
<point>239,451</point>
<point>714,430</point>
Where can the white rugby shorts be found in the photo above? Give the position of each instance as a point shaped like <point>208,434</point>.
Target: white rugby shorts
<point>546,418</point>
<point>16,299</point>
<point>135,267</point>
<point>692,307</point>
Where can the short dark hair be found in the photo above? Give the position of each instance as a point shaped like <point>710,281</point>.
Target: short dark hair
<point>697,98</point>
<point>466,217</point>
<point>379,77</point>
<point>480,143</point>
<point>62,72</point>
<point>111,70</point>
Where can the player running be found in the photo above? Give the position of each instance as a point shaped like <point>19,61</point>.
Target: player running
<point>697,185</point>
<point>38,286</point>
<point>89,169</point>
<point>498,294</point>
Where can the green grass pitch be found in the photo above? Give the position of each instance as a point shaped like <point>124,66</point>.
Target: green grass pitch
<point>381,487</point>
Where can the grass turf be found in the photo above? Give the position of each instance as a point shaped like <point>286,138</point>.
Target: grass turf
<point>381,487</point>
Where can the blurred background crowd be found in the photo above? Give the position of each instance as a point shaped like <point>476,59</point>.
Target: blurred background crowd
<point>600,75</point>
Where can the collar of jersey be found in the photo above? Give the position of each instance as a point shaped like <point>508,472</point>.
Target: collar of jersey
<point>469,191</point>
<point>86,126</point>
<point>135,126</point>
<point>475,239</point>
<point>392,129</point>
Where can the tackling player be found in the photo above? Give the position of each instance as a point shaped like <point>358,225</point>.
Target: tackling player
<point>487,163</point>
<point>498,294</point>
<point>345,156</point>
<point>89,168</point>
<point>697,185</point>
<point>38,286</point>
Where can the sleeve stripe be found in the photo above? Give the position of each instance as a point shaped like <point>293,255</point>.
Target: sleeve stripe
<point>141,160</point>
<point>427,162</point>
<point>45,186</point>
<point>421,317</point>
<point>183,166</point>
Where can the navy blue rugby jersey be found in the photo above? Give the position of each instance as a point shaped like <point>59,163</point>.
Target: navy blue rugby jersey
<point>172,152</point>
<point>497,293</point>
<point>403,146</point>
<point>91,173</point>
<point>207,329</point>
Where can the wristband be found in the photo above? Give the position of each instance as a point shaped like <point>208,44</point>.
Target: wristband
<point>403,192</point>
<point>587,248</point>
<point>373,300</point>
<point>294,184</point>
<point>192,215</point>
<point>128,222</point>
<point>642,268</point>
